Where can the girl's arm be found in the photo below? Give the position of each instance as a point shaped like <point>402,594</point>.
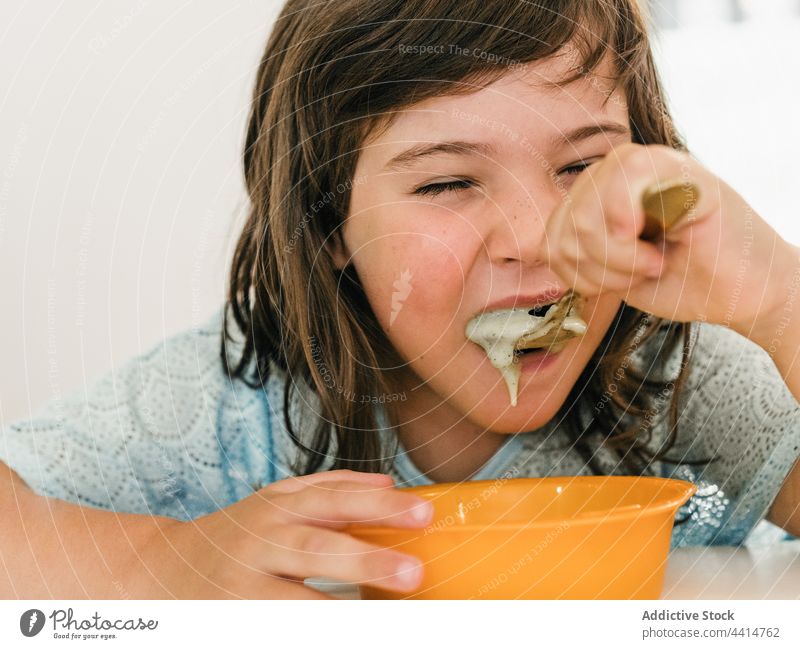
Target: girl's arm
<point>784,347</point>
<point>53,549</point>
<point>777,329</point>
<point>785,510</point>
<point>721,264</point>
<point>260,547</point>
<point>778,333</point>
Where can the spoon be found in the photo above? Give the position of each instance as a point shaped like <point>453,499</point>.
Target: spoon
<point>665,204</point>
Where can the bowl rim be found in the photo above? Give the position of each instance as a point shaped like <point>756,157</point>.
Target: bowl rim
<point>683,491</point>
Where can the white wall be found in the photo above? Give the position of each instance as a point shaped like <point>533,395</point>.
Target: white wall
<point>734,89</point>
<point>121,125</point>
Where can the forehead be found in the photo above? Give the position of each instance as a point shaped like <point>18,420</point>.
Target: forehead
<point>545,79</point>
<point>528,100</point>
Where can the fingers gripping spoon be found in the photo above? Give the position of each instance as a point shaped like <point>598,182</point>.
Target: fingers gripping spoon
<point>505,334</point>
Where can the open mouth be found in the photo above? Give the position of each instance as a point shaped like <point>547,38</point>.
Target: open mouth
<point>541,310</point>
<point>534,350</point>
<point>553,348</point>
<point>508,334</point>
<point>560,321</point>
<point>539,345</point>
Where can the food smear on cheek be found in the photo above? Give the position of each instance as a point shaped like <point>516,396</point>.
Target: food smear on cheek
<point>505,333</point>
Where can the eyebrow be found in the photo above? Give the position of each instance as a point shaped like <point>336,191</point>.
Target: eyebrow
<point>459,147</point>
<point>419,151</point>
<point>590,130</point>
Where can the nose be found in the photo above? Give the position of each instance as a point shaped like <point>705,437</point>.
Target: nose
<point>518,233</point>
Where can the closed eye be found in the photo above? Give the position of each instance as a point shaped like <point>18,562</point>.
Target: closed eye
<point>574,170</point>
<point>435,189</point>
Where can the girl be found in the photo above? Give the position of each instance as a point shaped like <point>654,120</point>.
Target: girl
<point>410,165</point>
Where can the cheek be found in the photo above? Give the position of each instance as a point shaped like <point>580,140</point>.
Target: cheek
<point>413,281</point>
<point>599,314</point>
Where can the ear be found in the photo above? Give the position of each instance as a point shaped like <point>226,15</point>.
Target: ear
<point>338,250</point>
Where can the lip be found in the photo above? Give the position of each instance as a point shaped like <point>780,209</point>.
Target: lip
<point>539,361</point>
<point>526,301</point>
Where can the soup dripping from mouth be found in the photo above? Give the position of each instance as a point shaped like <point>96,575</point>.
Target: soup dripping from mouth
<point>507,334</point>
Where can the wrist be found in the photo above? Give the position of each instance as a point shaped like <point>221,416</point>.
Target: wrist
<point>776,327</point>
<point>79,551</point>
<point>145,572</point>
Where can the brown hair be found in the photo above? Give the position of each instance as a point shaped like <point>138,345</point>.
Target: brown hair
<point>331,74</point>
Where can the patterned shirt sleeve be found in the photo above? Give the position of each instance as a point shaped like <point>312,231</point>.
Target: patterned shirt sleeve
<point>166,433</point>
<point>735,407</point>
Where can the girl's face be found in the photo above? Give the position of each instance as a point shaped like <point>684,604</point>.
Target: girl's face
<point>447,220</point>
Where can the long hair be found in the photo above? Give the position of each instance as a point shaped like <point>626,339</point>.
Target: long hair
<point>332,74</point>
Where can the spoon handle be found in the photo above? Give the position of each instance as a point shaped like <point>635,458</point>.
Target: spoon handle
<point>666,203</point>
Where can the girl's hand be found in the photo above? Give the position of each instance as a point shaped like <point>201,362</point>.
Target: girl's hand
<point>721,263</point>
<point>266,544</point>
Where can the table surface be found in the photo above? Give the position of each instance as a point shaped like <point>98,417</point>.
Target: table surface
<point>715,572</point>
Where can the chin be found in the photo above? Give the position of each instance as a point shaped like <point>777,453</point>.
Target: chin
<point>494,413</point>
<point>524,417</point>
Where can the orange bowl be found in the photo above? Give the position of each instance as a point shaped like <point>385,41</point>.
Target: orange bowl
<point>573,537</point>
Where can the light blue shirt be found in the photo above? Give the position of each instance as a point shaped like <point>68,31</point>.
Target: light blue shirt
<point>169,433</point>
